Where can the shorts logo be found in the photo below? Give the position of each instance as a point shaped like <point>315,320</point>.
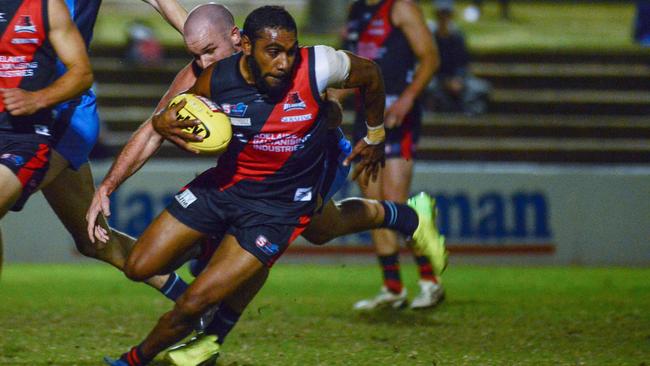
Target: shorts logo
<point>302,195</point>
<point>294,102</point>
<point>185,198</point>
<point>266,246</point>
<point>25,25</point>
<point>301,118</point>
<point>17,160</point>
<point>2,18</point>
<point>235,110</point>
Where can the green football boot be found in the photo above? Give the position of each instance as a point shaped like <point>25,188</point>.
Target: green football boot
<point>201,350</point>
<point>426,237</point>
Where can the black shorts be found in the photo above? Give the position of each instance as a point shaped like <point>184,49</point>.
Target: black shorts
<point>28,157</point>
<point>202,207</point>
<point>401,142</point>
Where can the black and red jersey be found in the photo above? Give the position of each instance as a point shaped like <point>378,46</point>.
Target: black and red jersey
<point>275,158</point>
<point>27,60</point>
<point>370,33</point>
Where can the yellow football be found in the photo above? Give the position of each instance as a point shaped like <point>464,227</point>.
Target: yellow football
<point>215,125</point>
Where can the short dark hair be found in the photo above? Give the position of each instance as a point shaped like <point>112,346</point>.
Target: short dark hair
<point>268,16</point>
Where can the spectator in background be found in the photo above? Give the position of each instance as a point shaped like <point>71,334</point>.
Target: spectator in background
<point>642,23</point>
<point>453,88</point>
<point>473,12</point>
<point>143,47</point>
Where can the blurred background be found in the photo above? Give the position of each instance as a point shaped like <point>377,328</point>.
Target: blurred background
<point>547,162</point>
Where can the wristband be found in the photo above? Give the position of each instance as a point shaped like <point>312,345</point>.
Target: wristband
<point>375,135</point>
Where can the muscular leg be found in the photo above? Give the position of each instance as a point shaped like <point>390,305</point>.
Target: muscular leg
<point>345,217</point>
<point>69,193</point>
<point>1,259</point>
<point>394,185</point>
<point>11,189</point>
<point>230,267</point>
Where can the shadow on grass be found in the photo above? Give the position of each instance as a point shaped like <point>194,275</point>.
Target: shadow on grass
<point>401,317</point>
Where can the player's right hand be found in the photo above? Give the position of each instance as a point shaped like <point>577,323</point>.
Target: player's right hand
<point>101,204</point>
<point>167,124</point>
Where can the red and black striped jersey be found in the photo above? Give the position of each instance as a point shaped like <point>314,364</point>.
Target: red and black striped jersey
<point>275,158</point>
<point>370,33</point>
<point>27,60</point>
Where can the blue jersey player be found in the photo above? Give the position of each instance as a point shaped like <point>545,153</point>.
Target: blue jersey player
<point>68,185</point>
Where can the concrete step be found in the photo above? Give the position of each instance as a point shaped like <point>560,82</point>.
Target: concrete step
<point>542,150</point>
<point>565,76</point>
<point>553,101</point>
<point>121,119</point>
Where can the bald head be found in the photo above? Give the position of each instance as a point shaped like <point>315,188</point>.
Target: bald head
<point>210,33</point>
<point>209,15</point>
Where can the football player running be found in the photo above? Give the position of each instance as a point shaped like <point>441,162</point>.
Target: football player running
<point>260,196</point>
<point>210,34</point>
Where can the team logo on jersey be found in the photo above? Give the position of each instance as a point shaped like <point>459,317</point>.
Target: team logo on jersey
<point>24,41</point>
<point>302,195</point>
<point>2,18</point>
<point>266,246</point>
<point>235,110</point>
<point>292,119</point>
<point>42,130</point>
<point>294,102</point>
<point>25,25</point>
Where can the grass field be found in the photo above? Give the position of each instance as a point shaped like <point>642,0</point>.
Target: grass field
<point>536,26</point>
<point>73,315</point>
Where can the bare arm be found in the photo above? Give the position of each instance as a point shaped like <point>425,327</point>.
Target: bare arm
<point>366,75</point>
<point>71,50</point>
<point>141,146</point>
<point>171,11</point>
<point>408,17</point>
<point>145,141</point>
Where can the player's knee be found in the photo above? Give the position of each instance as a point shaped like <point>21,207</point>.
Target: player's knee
<point>137,271</point>
<point>193,304</point>
<point>318,237</point>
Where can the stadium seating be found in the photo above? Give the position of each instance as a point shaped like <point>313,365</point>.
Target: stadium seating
<point>545,107</point>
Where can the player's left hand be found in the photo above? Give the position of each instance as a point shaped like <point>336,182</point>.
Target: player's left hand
<point>19,102</point>
<point>373,158</point>
<point>394,115</point>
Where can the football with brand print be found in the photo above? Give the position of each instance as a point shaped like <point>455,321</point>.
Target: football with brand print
<point>215,125</point>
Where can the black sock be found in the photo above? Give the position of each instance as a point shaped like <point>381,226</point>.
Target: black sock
<point>390,268</point>
<point>224,320</point>
<point>399,217</point>
<point>174,287</point>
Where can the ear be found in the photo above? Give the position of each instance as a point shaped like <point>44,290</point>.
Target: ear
<point>246,45</point>
<point>235,36</point>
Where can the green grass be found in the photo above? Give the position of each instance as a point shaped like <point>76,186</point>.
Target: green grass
<point>536,26</point>
<point>73,315</point>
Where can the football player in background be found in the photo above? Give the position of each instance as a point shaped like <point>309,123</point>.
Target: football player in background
<point>68,185</point>
<point>34,34</point>
<point>393,33</point>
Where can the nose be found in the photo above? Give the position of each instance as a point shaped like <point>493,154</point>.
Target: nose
<point>282,63</point>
